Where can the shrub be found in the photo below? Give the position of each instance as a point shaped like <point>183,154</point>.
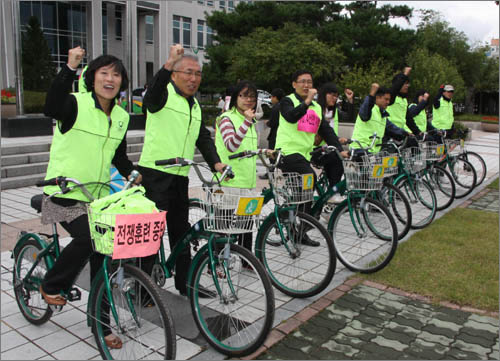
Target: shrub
<point>208,115</point>
<point>34,101</point>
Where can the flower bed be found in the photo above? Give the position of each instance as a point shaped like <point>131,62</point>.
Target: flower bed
<point>8,97</point>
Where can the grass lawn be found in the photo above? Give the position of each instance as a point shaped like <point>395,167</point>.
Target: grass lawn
<point>494,184</point>
<point>472,117</point>
<point>454,259</point>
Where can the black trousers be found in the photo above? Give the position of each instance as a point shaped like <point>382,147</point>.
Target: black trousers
<point>170,193</point>
<point>332,165</point>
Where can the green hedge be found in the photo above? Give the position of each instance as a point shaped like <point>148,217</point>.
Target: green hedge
<point>34,101</point>
<point>208,115</point>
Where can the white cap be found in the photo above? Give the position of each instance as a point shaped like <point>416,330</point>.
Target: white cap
<point>448,88</point>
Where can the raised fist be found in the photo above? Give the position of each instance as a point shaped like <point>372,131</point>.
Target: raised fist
<point>75,57</point>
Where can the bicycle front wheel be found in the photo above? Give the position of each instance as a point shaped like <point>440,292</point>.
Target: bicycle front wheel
<point>443,186</point>
<point>145,325</point>
<point>303,263</point>
<point>422,201</point>
<point>364,235</point>
<point>478,163</point>
<point>464,175</point>
<point>236,320</point>
<point>27,289</point>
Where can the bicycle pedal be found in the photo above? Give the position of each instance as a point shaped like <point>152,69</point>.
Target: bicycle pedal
<point>55,308</point>
<point>74,294</point>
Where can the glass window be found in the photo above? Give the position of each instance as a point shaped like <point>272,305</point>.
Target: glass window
<point>25,11</point>
<point>149,29</point>
<point>201,24</point>
<point>186,32</point>
<point>222,4</point>
<point>52,41</point>
<point>209,36</point>
<point>118,22</point>
<point>177,29</point>
<point>201,2</point>
<point>230,5</point>
<point>37,10</point>
<point>49,15</point>
<point>77,19</point>
<point>63,16</point>
<point>210,3</point>
<point>104,29</point>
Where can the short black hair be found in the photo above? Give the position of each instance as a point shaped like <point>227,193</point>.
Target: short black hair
<point>278,93</point>
<point>382,91</point>
<point>298,73</point>
<point>99,62</point>
<point>252,90</point>
<point>326,89</point>
<point>418,94</point>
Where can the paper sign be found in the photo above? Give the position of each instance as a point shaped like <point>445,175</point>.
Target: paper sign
<point>440,149</point>
<point>249,206</point>
<point>307,181</point>
<point>309,122</point>
<point>378,171</point>
<point>390,162</point>
<point>138,235</point>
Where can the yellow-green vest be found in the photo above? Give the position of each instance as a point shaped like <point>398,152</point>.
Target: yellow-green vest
<point>171,132</point>
<point>86,150</point>
<point>245,170</point>
<point>364,130</point>
<point>420,119</point>
<point>290,139</point>
<point>398,112</point>
<point>82,88</point>
<point>442,117</point>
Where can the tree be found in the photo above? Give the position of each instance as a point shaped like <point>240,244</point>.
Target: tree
<point>37,66</point>
<point>360,78</point>
<point>429,71</point>
<point>269,57</point>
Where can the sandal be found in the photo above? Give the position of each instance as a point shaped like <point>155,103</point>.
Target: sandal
<point>56,300</point>
<point>114,343</point>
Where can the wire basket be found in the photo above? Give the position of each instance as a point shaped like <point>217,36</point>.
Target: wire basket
<point>292,188</point>
<point>432,150</point>
<point>363,175</point>
<point>388,160</point>
<point>413,160</point>
<point>228,210</point>
<point>454,146</point>
<point>102,231</point>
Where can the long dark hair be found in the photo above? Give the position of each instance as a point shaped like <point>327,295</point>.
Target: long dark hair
<point>326,89</point>
<point>252,90</point>
<point>99,62</point>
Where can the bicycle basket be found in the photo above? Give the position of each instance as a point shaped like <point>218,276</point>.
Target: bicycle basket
<point>413,160</point>
<point>292,188</point>
<point>388,160</point>
<point>102,215</point>
<point>432,150</point>
<point>363,175</point>
<point>228,210</point>
<point>453,146</point>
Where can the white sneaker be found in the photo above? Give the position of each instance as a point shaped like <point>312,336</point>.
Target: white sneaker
<point>337,198</point>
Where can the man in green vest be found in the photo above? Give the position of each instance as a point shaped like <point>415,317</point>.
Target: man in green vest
<point>374,118</point>
<point>300,120</point>
<point>442,109</point>
<point>173,129</point>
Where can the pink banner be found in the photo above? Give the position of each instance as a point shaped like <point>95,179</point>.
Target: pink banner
<point>309,122</point>
<point>138,235</point>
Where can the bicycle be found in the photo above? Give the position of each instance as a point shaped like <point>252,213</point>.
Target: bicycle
<point>238,315</point>
<point>120,288</point>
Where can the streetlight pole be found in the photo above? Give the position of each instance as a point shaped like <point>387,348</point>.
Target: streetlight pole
<point>129,54</point>
<point>17,58</point>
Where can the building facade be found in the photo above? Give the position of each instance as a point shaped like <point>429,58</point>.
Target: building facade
<point>101,27</point>
<point>494,49</point>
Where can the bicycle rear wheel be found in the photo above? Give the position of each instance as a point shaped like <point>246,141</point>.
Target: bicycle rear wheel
<point>145,325</point>
<point>356,233</point>
<point>422,201</point>
<point>27,290</point>
<point>443,185</point>
<point>237,320</point>
<point>302,264</point>
<point>478,163</point>
<point>464,175</point>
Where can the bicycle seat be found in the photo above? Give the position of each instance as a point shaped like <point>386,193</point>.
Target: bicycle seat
<point>36,202</point>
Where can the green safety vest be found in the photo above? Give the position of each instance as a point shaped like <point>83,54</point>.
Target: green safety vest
<point>86,150</point>
<point>420,119</point>
<point>398,112</point>
<point>245,170</point>
<point>82,88</point>
<point>364,130</point>
<point>292,140</point>
<point>171,132</point>
<point>442,117</point>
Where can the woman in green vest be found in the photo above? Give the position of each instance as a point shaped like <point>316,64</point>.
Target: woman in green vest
<point>89,136</point>
<point>235,132</point>
<point>416,117</point>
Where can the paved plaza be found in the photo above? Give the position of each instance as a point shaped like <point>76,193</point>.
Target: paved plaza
<point>353,320</point>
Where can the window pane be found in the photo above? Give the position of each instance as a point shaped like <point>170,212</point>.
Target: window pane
<point>230,5</point>
<point>25,11</point>
<point>176,29</point>
<point>209,36</point>
<point>201,2</point>
<point>210,3</point>
<point>37,10</point>
<point>63,16</point>
<point>118,23</point>
<point>77,19</point>
<point>186,32</point>
<point>149,29</point>
<point>49,15</point>
<point>52,41</point>
<point>222,4</point>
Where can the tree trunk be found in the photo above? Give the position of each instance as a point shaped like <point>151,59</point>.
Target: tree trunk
<point>469,100</point>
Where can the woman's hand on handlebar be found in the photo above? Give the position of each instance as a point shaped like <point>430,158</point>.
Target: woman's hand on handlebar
<point>345,154</point>
<point>219,167</point>
<point>343,141</point>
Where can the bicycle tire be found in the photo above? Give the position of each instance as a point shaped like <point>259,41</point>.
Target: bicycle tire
<point>31,303</point>
<point>464,175</point>
<point>146,325</point>
<point>397,204</point>
<point>443,185</point>
<point>366,251</point>
<point>422,201</point>
<point>478,163</point>
<point>301,270</point>
<point>235,324</point>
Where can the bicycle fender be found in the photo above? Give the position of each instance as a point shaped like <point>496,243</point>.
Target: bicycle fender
<point>27,236</point>
<point>335,211</point>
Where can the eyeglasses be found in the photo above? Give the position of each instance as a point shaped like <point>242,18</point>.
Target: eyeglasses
<point>197,74</point>
<point>249,97</point>
<point>303,81</point>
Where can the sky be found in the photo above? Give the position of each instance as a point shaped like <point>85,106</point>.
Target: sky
<point>479,20</point>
